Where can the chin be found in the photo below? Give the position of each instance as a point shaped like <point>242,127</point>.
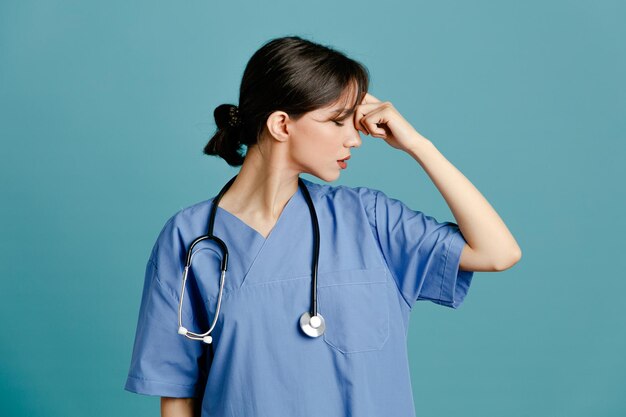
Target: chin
<point>332,176</point>
<point>327,176</point>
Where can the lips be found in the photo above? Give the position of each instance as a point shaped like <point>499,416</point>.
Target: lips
<point>342,162</point>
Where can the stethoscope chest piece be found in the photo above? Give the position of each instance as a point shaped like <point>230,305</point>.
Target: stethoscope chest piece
<point>313,326</point>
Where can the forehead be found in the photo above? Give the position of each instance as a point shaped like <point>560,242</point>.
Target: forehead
<point>343,104</point>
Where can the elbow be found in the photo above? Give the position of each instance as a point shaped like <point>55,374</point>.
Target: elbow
<point>508,262</point>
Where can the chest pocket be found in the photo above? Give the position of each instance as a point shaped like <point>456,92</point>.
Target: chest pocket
<point>355,307</point>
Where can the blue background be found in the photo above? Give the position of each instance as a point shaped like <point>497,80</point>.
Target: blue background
<point>105,109</point>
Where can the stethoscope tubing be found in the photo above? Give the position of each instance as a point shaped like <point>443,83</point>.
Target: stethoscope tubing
<point>316,249</point>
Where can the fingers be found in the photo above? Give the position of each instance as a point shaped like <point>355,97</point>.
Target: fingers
<point>368,104</point>
<point>368,98</point>
<point>358,117</point>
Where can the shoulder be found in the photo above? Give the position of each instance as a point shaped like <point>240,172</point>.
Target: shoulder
<point>357,198</point>
<point>341,193</point>
<point>182,226</point>
<point>188,215</point>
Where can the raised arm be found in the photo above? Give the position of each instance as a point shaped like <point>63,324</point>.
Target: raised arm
<point>490,246</point>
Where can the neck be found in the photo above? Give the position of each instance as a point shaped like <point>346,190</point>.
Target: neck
<point>264,185</point>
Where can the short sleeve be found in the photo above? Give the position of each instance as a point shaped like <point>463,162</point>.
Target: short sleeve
<point>422,254</point>
<point>165,363</point>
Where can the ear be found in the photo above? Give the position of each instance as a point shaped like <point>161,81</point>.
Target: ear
<point>278,125</point>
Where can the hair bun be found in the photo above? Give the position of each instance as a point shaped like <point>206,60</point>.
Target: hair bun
<point>227,116</point>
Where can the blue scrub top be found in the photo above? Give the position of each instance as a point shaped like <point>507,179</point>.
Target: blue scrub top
<point>377,258</point>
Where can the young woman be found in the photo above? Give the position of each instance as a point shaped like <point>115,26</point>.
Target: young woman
<point>305,288</point>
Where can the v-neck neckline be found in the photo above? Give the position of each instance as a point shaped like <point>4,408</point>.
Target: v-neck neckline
<point>264,239</point>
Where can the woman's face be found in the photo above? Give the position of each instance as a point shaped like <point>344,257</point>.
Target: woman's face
<point>322,137</point>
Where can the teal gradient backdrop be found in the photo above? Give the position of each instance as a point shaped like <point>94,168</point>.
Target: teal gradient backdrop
<point>105,108</point>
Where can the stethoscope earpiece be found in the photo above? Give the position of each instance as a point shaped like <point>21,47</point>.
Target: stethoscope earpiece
<point>183,331</point>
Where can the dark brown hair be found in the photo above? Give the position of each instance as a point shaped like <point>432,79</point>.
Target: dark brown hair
<point>291,74</point>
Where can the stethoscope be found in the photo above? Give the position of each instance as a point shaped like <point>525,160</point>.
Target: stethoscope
<point>311,322</point>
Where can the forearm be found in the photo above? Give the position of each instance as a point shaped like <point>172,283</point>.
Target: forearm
<point>482,227</point>
<point>177,407</point>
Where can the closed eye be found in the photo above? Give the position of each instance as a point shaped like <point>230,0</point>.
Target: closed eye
<point>337,123</point>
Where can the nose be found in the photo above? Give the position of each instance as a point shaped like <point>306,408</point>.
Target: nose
<point>355,139</point>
